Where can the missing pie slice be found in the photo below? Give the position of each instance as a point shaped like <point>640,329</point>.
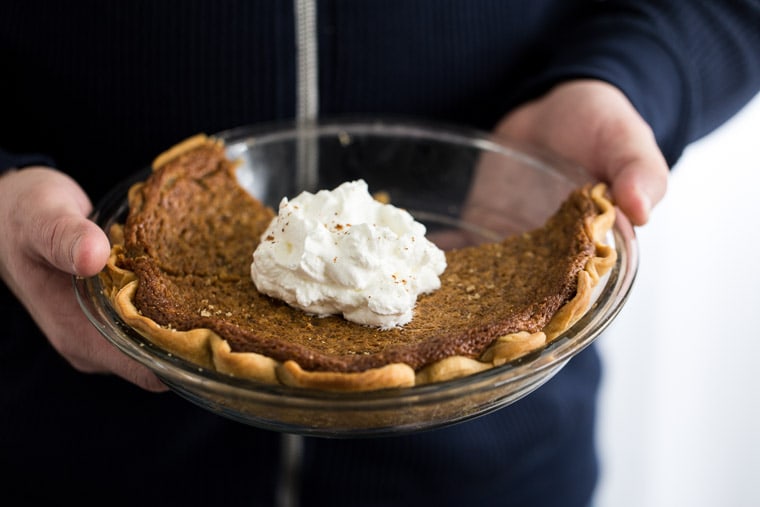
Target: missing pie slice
<point>179,274</point>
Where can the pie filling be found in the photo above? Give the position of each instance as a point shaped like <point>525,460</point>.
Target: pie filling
<point>179,273</point>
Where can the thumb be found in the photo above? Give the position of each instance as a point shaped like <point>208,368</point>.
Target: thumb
<point>593,124</point>
<point>74,244</point>
<point>630,160</point>
<point>58,230</point>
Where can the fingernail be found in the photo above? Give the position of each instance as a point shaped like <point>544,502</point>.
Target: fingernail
<point>646,206</point>
<point>73,248</point>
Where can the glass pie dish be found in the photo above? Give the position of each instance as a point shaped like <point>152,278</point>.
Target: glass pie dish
<point>465,186</point>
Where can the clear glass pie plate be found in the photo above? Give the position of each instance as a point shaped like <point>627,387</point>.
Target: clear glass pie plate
<point>464,185</point>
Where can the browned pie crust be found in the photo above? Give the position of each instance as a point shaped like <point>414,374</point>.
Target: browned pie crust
<point>179,274</point>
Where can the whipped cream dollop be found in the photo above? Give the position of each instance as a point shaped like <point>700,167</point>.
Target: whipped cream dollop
<point>344,252</point>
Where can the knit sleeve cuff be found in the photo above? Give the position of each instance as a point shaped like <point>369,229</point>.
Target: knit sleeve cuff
<point>639,65</point>
<point>10,160</point>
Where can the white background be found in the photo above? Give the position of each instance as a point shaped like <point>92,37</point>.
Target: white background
<point>679,421</point>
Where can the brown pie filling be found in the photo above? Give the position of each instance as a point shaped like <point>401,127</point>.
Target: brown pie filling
<point>179,273</point>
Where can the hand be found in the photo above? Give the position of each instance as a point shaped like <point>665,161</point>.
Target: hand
<point>593,124</point>
<point>46,239</point>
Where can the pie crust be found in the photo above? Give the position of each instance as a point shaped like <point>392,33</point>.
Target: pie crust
<point>162,265</point>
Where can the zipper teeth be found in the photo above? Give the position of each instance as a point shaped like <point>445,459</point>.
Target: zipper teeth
<point>291,458</point>
<point>307,93</point>
<point>307,100</point>
<point>307,107</point>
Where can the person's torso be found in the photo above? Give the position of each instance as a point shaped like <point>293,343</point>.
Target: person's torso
<point>97,86</point>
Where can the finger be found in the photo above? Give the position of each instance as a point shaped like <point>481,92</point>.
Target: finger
<point>144,378</point>
<point>135,373</point>
<point>71,243</point>
<point>632,163</point>
<point>593,124</point>
<point>57,228</point>
<point>97,350</point>
<point>84,347</point>
<point>636,190</point>
<point>73,336</point>
<point>89,247</point>
<point>128,369</point>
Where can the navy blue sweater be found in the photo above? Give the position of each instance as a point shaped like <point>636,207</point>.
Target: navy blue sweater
<point>98,91</point>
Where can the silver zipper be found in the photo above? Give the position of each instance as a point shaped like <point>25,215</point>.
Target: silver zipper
<point>289,480</point>
<point>307,70</point>
<point>307,92</point>
<point>307,110</point>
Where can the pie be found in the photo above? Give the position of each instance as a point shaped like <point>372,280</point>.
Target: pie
<point>179,274</point>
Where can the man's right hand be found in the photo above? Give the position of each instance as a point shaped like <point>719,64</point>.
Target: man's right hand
<point>47,238</point>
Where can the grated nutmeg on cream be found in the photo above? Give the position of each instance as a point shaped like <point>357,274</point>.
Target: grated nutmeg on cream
<point>343,252</point>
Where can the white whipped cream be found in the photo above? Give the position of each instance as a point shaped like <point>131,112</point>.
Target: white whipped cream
<point>343,252</point>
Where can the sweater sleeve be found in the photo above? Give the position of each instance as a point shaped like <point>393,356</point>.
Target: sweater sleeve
<point>687,67</point>
<point>10,161</point>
